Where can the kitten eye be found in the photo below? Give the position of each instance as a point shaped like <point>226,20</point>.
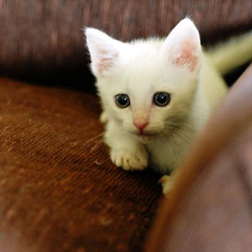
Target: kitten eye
<point>161,99</point>
<point>122,100</point>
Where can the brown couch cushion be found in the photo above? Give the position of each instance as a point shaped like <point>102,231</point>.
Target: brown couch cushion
<point>42,40</point>
<point>59,190</point>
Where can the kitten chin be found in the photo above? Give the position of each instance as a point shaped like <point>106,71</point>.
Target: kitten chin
<point>144,138</point>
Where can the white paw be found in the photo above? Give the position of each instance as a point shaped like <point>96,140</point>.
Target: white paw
<point>129,160</point>
<point>104,118</point>
<point>167,184</point>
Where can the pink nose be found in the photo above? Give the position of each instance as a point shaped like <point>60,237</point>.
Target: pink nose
<point>141,125</point>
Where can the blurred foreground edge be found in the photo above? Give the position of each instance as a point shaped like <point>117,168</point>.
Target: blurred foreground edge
<point>210,207</point>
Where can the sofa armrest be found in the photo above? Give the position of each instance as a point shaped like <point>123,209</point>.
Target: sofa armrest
<point>209,209</point>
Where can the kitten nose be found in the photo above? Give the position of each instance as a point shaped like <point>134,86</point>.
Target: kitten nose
<point>141,125</point>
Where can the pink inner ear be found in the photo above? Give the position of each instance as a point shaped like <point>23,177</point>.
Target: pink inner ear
<point>104,64</point>
<point>187,57</point>
<point>106,60</point>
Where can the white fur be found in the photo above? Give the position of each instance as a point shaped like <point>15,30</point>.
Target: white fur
<point>140,69</point>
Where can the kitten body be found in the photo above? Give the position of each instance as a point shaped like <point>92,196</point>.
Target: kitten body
<point>144,133</point>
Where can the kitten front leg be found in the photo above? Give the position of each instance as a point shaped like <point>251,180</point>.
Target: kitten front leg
<point>126,152</point>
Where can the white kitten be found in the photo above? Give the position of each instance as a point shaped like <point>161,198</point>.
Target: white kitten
<point>156,95</point>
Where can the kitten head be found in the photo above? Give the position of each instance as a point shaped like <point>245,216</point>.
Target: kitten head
<point>147,86</point>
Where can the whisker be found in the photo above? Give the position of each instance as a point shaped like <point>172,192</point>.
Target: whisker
<point>93,139</point>
<point>96,145</point>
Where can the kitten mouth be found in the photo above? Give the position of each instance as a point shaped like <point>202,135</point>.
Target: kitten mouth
<point>143,134</point>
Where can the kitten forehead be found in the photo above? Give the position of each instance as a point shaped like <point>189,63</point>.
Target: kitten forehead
<point>143,65</point>
<point>142,56</point>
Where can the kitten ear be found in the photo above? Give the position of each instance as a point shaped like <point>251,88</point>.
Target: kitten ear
<point>182,46</point>
<point>103,51</point>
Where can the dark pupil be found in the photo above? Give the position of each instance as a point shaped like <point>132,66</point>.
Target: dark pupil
<point>161,99</point>
<point>122,100</point>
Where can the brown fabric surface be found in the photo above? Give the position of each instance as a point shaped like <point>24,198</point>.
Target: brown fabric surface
<point>210,207</point>
<point>59,190</point>
<point>42,40</point>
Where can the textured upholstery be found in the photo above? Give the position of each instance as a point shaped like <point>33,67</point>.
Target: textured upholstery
<point>59,190</point>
